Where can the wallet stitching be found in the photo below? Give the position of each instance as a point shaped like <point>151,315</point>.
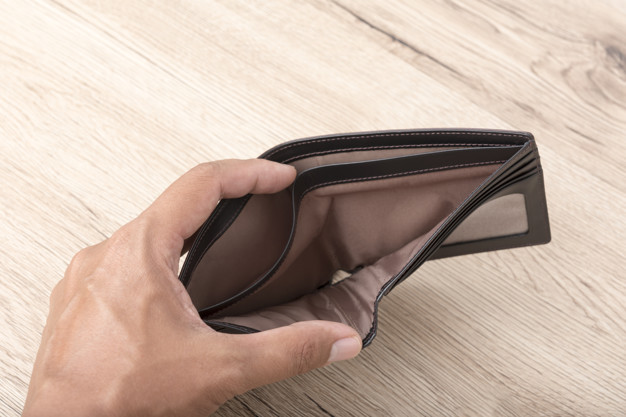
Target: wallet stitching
<point>369,148</point>
<point>397,175</point>
<point>301,196</point>
<point>407,134</point>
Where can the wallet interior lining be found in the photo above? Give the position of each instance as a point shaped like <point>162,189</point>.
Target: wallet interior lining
<point>275,209</point>
<point>502,216</point>
<point>356,156</point>
<point>334,233</point>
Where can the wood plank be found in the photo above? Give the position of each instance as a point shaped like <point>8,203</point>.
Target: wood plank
<point>548,67</point>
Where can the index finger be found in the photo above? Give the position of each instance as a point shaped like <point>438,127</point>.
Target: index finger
<point>188,202</point>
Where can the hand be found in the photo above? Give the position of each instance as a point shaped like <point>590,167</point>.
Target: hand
<point>123,338</point>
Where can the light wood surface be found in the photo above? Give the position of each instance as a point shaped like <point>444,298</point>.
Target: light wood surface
<point>104,103</point>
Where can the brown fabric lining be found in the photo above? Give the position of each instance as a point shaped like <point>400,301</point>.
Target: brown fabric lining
<point>260,243</point>
<point>380,224</point>
<point>246,251</point>
<point>373,226</point>
<point>356,156</point>
<point>502,216</point>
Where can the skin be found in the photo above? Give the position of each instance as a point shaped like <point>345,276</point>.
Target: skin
<point>123,339</point>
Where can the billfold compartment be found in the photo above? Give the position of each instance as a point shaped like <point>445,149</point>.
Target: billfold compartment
<point>371,208</point>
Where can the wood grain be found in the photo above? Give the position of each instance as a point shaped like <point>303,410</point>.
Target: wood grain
<point>104,103</point>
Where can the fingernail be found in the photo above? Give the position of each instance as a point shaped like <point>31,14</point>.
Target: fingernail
<point>344,349</point>
<point>287,167</point>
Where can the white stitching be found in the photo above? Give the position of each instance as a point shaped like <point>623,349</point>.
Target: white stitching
<point>409,146</point>
<point>407,134</point>
<point>404,173</point>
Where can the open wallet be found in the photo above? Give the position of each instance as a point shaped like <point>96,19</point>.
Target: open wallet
<point>364,212</point>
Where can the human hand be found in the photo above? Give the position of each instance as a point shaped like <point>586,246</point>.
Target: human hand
<point>123,337</point>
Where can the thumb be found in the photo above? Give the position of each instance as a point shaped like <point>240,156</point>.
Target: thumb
<point>284,352</point>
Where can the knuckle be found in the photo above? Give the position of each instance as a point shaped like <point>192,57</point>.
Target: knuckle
<point>213,170</point>
<point>56,292</point>
<point>305,356</point>
<point>124,234</point>
<point>130,234</point>
<point>238,380</point>
<point>208,169</point>
<point>210,174</point>
<point>79,265</point>
<point>78,260</point>
<point>234,369</point>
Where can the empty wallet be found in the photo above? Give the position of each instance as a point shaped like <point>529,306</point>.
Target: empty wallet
<point>364,212</point>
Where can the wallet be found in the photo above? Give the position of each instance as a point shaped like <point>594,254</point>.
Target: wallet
<point>363,213</point>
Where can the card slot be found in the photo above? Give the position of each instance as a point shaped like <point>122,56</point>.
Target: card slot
<point>296,149</point>
<point>536,223</point>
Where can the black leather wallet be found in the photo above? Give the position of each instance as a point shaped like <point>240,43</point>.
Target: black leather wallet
<point>364,212</point>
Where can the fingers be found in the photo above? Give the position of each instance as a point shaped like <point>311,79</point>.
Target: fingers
<point>188,202</point>
<point>284,352</point>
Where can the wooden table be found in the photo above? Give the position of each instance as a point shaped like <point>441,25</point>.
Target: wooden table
<point>104,103</point>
